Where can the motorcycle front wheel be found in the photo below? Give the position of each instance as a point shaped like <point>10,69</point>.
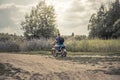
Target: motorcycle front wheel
<point>54,53</point>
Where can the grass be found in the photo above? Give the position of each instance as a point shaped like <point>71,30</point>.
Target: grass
<point>72,45</point>
<point>37,53</point>
<point>95,45</point>
<point>92,57</point>
<point>89,59</point>
<point>69,54</point>
<point>95,53</point>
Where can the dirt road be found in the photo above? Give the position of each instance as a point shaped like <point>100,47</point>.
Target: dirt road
<point>38,67</point>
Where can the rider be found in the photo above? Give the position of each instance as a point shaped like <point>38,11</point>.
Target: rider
<point>59,41</point>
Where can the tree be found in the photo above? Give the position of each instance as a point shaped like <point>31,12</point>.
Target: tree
<point>40,22</point>
<point>96,23</point>
<point>73,34</point>
<point>102,24</point>
<point>116,29</point>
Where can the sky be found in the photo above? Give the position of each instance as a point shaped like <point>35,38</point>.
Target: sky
<point>72,16</point>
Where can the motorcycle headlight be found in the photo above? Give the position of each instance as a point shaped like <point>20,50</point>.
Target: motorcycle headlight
<point>65,50</point>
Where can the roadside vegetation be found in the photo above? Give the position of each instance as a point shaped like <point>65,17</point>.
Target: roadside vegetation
<point>73,44</point>
<point>93,45</point>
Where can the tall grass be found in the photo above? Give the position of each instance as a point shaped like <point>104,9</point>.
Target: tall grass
<point>73,45</point>
<point>36,45</point>
<point>25,45</point>
<point>95,45</point>
<point>9,46</point>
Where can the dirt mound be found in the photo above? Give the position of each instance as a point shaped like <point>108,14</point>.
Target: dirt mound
<point>37,67</point>
<point>7,71</point>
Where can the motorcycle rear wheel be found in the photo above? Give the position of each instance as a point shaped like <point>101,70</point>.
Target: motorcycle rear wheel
<point>64,54</point>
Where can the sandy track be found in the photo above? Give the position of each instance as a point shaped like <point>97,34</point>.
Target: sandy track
<point>37,67</point>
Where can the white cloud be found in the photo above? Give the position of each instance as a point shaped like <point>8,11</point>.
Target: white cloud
<point>75,18</point>
<point>72,15</point>
<point>11,30</point>
<point>11,15</point>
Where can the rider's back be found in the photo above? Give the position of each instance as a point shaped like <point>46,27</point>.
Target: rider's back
<point>60,40</point>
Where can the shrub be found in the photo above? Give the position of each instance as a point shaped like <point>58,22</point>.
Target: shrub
<point>9,46</point>
<point>36,45</point>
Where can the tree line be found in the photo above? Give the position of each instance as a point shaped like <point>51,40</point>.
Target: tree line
<point>105,23</point>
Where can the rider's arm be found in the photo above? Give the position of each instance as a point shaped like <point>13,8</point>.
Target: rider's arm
<point>54,42</point>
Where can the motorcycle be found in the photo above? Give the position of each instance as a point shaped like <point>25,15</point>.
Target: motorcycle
<point>59,51</point>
